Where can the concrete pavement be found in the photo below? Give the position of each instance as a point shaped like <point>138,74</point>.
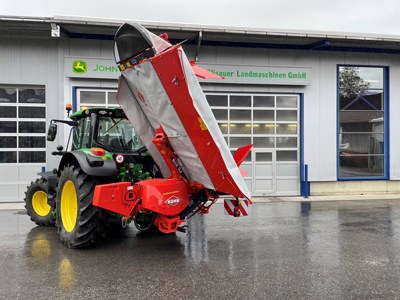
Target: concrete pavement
<point>283,250</point>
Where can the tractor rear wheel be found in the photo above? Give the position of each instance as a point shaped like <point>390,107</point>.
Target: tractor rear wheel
<point>36,203</point>
<point>77,219</point>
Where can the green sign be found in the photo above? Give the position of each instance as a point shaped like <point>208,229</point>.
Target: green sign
<point>79,66</point>
<point>85,67</point>
<point>252,74</point>
<point>260,74</point>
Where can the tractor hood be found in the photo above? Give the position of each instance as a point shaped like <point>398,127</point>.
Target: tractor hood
<point>158,88</point>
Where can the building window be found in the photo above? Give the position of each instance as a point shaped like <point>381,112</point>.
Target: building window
<point>362,123</point>
<point>22,125</point>
<point>96,98</point>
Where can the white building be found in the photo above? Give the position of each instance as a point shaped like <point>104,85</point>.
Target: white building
<point>325,102</point>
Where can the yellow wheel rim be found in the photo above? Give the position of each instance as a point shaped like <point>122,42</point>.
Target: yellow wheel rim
<point>69,206</point>
<point>39,203</point>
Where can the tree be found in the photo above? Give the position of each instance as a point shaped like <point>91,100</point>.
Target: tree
<point>350,83</point>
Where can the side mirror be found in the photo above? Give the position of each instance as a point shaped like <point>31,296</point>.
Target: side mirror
<point>52,132</point>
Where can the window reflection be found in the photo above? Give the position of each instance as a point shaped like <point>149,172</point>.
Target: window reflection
<point>263,128</point>
<point>286,115</point>
<point>240,115</point>
<point>112,98</point>
<point>286,142</point>
<point>8,142</point>
<point>261,157</point>
<point>239,128</point>
<point>264,142</point>
<point>8,157</point>
<point>263,101</point>
<point>286,101</point>
<point>8,95</point>
<point>223,127</point>
<point>32,127</point>
<point>8,127</point>
<point>32,142</point>
<point>286,128</point>
<point>368,100</point>
<point>32,156</point>
<point>263,115</point>
<point>220,114</point>
<point>238,100</point>
<point>31,112</point>
<point>93,97</point>
<point>8,112</point>
<point>239,141</point>
<point>217,100</point>
<point>362,121</point>
<point>31,95</point>
<point>286,155</point>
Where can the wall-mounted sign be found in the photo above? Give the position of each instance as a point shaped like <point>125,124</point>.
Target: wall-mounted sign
<point>242,74</point>
<point>91,68</point>
<point>260,74</point>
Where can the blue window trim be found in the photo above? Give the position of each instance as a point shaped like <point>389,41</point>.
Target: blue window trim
<point>74,97</point>
<point>304,183</point>
<point>386,132</point>
<point>301,139</point>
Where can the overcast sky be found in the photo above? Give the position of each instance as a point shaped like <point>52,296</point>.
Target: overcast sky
<point>367,16</point>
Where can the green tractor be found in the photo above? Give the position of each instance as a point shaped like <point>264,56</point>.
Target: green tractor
<point>105,149</point>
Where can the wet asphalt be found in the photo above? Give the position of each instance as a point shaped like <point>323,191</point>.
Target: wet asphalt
<point>318,250</point>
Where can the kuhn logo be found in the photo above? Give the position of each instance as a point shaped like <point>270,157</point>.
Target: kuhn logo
<point>79,66</point>
<point>172,201</point>
<point>140,96</point>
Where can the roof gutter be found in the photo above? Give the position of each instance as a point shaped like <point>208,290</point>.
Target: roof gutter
<point>205,28</point>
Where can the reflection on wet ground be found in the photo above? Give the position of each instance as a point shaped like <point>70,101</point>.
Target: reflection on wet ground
<point>319,250</point>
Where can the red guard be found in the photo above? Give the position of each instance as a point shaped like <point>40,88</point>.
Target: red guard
<point>174,82</point>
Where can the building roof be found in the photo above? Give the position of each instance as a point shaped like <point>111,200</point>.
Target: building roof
<point>212,35</point>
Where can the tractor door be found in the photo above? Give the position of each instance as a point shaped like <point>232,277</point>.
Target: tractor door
<point>82,134</point>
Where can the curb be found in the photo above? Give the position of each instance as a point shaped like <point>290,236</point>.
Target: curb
<point>12,206</point>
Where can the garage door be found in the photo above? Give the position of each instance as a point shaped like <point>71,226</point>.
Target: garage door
<point>271,123</point>
<point>22,139</point>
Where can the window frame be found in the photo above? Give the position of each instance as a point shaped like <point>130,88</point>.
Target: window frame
<point>78,104</point>
<point>386,109</point>
<point>18,120</point>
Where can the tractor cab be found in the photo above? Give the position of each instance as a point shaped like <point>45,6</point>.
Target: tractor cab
<point>106,128</point>
<point>104,134</point>
<point>97,127</point>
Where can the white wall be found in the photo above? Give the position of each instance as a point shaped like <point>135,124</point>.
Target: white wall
<point>320,98</point>
<point>28,61</point>
<point>41,61</point>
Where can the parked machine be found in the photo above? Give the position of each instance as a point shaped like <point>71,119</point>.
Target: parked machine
<point>182,167</point>
<point>105,148</point>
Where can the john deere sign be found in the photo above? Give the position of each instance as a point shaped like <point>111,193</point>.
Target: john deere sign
<point>241,74</point>
<point>91,68</point>
<point>79,66</point>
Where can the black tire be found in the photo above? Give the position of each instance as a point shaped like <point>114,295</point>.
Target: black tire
<point>77,187</point>
<point>36,203</point>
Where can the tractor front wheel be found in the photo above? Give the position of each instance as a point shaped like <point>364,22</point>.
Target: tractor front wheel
<point>36,203</point>
<point>77,219</point>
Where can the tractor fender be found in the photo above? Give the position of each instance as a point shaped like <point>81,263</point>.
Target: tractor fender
<point>109,168</point>
<point>51,177</point>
